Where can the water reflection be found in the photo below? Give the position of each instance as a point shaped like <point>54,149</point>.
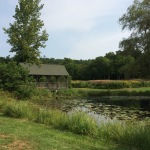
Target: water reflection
<point>145,104</point>
<point>101,119</point>
<point>111,108</point>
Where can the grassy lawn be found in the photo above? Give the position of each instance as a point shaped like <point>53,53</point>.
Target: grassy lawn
<point>17,134</point>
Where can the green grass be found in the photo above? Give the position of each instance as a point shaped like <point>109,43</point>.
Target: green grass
<point>16,134</point>
<point>127,89</point>
<point>88,92</point>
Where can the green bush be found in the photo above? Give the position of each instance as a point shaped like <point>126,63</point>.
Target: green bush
<point>14,78</point>
<point>25,91</point>
<point>43,79</point>
<point>80,84</point>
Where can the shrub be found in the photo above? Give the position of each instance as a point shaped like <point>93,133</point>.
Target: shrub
<point>80,84</point>
<point>14,78</point>
<point>43,79</point>
<point>25,91</point>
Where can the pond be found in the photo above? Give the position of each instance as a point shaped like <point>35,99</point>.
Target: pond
<point>120,108</point>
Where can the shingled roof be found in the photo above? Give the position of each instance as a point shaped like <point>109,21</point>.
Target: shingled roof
<point>46,69</point>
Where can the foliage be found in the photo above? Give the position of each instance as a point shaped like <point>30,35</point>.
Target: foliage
<point>137,20</point>
<point>14,78</point>
<point>43,79</point>
<point>25,91</point>
<point>112,66</point>
<point>25,35</point>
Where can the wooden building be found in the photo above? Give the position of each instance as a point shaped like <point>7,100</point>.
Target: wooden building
<point>48,75</point>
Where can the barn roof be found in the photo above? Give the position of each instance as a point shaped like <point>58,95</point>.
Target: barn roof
<point>46,69</point>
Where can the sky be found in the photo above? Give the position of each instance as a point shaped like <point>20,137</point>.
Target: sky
<point>78,29</point>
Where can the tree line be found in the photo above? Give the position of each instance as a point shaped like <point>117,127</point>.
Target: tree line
<point>114,66</point>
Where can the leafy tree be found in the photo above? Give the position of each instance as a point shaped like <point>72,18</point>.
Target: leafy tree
<point>99,68</point>
<point>25,34</point>
<point>137,19</point>
<point>130,47</point>
<point>71,67</point>
<point>127,67</point>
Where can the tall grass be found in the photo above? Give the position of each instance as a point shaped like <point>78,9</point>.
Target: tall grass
<point>81,123</point>
<point>19,109</point>
<point>51,117</point>
<point>78,122</point>
<point>136,135</point>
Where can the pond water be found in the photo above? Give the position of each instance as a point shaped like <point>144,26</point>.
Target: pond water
<point>120,108</point>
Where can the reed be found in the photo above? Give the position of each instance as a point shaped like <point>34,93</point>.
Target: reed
<point>18,109</point>
<point>135,135</point>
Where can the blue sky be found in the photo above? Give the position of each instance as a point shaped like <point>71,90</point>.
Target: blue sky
<point>78,29</point>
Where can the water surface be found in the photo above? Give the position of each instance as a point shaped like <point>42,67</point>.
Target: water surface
<point>120,108</point>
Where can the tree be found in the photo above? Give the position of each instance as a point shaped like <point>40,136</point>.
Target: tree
<point>99,68</point>
<point>137,19</point>
<point>128,68</point>
<point>130,47</point>
<point>25,34</point>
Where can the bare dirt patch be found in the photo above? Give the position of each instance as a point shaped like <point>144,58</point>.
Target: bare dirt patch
<point>4,136</point>
<point>18,145</point>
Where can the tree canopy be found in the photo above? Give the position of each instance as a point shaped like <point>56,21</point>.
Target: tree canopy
<point>137,20</point>
<point>25,34</point>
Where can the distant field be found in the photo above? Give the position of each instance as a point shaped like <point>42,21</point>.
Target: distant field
<point>127,89</point>
<point>113,84</point>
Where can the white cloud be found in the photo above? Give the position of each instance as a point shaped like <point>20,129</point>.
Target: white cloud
<point>96,45</point>
<point>76,14</point>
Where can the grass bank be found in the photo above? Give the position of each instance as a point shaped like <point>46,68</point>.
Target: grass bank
<point>88,92</point>
<point>16,134</point>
